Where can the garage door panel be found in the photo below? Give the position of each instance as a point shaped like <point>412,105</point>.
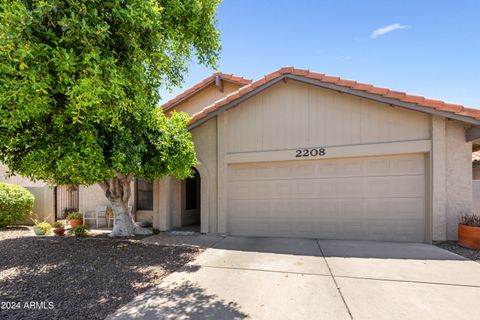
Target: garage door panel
<point>351,168</point>
<point>395,186</point>
<point>408,165</point>
<point>371,201</point>
<point>329,169</point>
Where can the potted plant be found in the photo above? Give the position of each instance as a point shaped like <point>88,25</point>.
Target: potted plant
<point>469,231</point>
<point>75,219</point>
<point>58,228</point>
<point>79,231</point>
<point>41,228</point>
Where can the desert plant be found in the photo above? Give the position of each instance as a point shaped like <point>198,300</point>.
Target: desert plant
<point>43,225</point>
<point>79,231</point>
<point>76,215</point>
<point>471,220</point>
<point>68,210</point>
<point>58,228</point>
<point>58,225</point>
<point>16,204</point>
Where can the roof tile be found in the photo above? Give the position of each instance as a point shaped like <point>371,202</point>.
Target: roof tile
<point>450,107</point>
<point>286,70</point>
<point>469,112</point>
<point>362,87</point>
<point>316,76</point>
<point>378,90</point>
<point>346,83</point>
<point>330,79</point>
<point>413,99</point>
<point>395,94</point>
<point>272,75</point>
<point>300,72</point>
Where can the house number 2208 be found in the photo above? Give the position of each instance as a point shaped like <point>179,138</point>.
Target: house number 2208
<point>310,152</point>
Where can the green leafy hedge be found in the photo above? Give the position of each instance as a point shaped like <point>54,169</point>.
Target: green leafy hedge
<point>16,203</point>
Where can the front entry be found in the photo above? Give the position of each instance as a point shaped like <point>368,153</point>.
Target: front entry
<point>191,201</point>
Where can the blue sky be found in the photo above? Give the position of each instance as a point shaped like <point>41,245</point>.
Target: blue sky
<point>429,48</point>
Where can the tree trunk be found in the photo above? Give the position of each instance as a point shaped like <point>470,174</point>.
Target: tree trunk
<point>118,191</point>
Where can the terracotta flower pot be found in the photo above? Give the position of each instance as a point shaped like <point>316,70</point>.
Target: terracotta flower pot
<point>469,237</point>
<point>75,222</point>
<point>59,231</point>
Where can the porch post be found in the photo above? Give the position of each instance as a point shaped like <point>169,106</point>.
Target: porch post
<point>164,218</point>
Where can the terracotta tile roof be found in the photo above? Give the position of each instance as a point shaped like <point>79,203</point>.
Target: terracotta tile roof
<point>204,83</point>
<point>363,87</point>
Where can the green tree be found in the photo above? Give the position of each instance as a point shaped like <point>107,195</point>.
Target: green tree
<point>79,89</point>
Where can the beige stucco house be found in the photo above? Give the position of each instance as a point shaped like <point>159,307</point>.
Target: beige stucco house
<point>301,154</point>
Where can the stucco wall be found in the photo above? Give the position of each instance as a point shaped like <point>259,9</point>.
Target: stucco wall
<point>205,140</point>
<point>90,197</point>
<point>437,161</point>
<point>43,207</point>
<point>18,180</point>
<point>458,176</point>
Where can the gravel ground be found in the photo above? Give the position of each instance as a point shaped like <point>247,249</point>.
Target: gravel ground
<point>464,252</point>
<point>68,278</point>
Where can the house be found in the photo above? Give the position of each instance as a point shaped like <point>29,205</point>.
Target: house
<point>302,154</point>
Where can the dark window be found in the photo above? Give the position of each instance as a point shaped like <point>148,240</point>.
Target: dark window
<point>191,185</point>
<point>144,194</point>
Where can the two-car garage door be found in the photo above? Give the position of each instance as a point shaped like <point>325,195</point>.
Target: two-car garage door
<point>373,198</point>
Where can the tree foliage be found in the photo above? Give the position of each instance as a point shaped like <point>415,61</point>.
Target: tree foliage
<point>79,86</point>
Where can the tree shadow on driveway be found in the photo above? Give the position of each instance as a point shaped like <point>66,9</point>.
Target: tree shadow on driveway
<point>184,300</point>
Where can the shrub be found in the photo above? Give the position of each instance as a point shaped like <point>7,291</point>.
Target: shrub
<point>16,203</point>
<point>76,215</point>
<point>79,231</point>
<point>470,220</point>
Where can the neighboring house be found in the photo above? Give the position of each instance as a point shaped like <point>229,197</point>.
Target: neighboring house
<point>301,154</point>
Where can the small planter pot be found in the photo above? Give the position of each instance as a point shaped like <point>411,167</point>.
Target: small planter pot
<point>469,237</point>
<point>59,231</point>
<point>75,222</point>
<point>38,231</point>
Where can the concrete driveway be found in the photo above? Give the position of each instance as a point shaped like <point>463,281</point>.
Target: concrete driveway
<point>277,278</point>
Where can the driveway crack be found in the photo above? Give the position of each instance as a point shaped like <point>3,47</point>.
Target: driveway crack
<point>335,281</point>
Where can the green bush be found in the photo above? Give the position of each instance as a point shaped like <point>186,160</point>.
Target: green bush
<point>16,203</point>
<point>79,231</point>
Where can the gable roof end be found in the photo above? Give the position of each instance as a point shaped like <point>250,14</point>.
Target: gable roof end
<point>401,99</point>
<point>203,84</point>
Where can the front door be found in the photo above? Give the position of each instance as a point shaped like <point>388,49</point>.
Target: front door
<point>191,201</point>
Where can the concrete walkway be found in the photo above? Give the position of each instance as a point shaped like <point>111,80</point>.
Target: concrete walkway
<point>275,278</point>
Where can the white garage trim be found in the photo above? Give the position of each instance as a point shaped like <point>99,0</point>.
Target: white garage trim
<point>365,150</point>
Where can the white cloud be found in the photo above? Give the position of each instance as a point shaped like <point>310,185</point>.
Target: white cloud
<point>381,31</point>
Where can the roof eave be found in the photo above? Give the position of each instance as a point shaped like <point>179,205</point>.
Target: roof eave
<point>322,84</point>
